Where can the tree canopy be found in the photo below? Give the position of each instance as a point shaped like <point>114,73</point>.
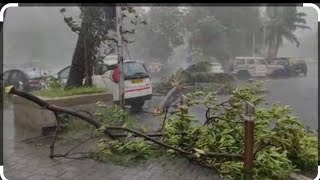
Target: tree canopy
<point>282,23</point>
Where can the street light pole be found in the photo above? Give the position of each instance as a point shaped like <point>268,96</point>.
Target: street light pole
<point>120,55</point>
<point>264,41</point>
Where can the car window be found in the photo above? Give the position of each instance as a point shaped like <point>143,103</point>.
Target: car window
<point>251,61</point>
<point>260,62</point>
<point>240,61</point>
<point>64,73</point>
<point>33,74</point>
<point>132,68</point>
<point>14,75</point>
<point>100,69</point>
<point>20,76</point>
<point>5,75</point>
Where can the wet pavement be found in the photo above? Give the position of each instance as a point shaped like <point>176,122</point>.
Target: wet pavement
<point>29,160</point>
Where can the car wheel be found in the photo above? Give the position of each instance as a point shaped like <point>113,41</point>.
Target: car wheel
<point>279,73</point>
<point>138,105</point>
<point>243,75</point>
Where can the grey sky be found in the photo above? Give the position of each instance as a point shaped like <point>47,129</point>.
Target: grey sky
<point>39,33</point>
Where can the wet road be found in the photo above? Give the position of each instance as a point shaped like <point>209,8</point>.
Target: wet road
<point>300,93</point>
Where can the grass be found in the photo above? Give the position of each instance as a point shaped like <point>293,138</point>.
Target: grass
<point>60,92</point>
<point>7,102</point>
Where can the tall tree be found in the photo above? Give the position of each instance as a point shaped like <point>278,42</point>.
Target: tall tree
<point>205,33</point>
<point>97,38</point>
<point>282,23</point>
<point>95,24</point>
<point>156,41</point>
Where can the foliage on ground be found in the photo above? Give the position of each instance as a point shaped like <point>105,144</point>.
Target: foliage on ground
<point>120,151</point>
<point>60,92</point>
<point>282,145</point>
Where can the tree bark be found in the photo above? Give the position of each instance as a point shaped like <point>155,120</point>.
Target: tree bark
<point>165,103</point>
<point>276,47</point>
<point>84,54</point>
<point>77,69</point>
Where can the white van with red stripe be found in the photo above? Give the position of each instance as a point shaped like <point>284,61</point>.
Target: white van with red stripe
<point>137,82</point>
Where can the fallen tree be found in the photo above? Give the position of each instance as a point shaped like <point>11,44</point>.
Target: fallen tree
<point>106,129</point>
<point>281,142</point>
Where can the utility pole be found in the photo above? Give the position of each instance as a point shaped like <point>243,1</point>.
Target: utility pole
<point>120,55</point>
<point>249,141</point>
<point>264,41</point>
<point>253,43</point>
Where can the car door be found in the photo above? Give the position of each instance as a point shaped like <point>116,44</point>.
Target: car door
<point>260,67</point>
<point>252,68</point>
<point>101,77</point>
<point>240,64</point>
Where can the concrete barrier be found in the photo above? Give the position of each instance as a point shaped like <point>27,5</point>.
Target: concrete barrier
<point>30,119</point>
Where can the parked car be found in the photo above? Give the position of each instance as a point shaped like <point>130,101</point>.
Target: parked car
<point>246,67</point>
<point>217,67</point>
<point>293,67</point>
<point>138,87</point>
<point>154,67</point>
<point>299,66</point>
<point>27,80</point>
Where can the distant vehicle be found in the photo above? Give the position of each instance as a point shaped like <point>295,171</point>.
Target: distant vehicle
<point>216,67</point>
<point>299,66</point>
<point>27,80</point>
<point>285,62</point>
<point>246,67</point>
<point>138,87</point>
<point>154,67</point>
<point>293,67</point>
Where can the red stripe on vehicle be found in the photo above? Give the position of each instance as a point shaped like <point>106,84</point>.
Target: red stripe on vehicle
<point>138,89</point>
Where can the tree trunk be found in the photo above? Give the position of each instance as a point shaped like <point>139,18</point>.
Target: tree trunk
<point>84,54</point>
<point>270,50</point>
<point>88,55</point>
<point>77,70</point>
<point>276,48</point>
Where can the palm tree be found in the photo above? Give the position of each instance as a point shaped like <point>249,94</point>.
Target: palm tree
<point>282,23</point>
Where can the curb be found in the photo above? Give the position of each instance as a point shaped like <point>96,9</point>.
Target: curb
<point>294,176</point>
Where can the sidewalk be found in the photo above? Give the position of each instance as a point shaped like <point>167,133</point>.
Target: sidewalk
<point>24,161</point>
<point>29,162</point>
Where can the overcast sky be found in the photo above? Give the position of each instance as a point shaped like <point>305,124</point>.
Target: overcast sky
<point>39,33</point>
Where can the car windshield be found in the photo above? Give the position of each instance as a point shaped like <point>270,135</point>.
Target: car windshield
<point>280,62</point>
<point>260,62</point>
<point>132,68</point>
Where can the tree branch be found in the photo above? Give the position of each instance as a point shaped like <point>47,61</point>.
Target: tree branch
<point>56,110</point>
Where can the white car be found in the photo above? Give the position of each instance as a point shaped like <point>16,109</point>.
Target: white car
<point>137,81</point>
<point>246,67</point>
<point>216,68</point>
